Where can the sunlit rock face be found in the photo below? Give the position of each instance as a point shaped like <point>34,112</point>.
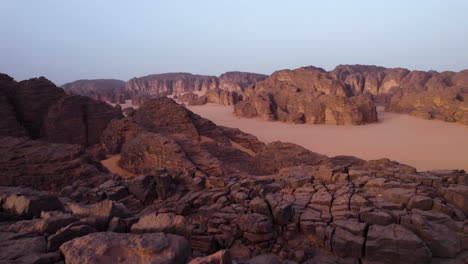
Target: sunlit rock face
<point>430,95</point>
<point>306,95</point>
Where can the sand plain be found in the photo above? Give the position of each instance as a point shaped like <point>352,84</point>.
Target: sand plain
<point>423,144</point>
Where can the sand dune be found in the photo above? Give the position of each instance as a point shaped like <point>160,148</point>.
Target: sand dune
<point>424,144</point>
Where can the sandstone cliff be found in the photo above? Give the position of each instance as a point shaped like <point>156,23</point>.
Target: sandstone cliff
<point>228,87</point>
<point>430,95</point>
<point>171,83</point>
<point>239,81</point>
<point>306,95</point>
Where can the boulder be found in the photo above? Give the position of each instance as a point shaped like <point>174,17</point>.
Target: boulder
<point>66,234</point>
<point>105,209</point>
<point>142,187</point>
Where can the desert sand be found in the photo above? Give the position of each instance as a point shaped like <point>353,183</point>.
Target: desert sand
<point>423,144</point>
<point>111,163</point>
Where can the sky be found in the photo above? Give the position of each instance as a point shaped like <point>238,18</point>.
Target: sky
<point>89,39</point>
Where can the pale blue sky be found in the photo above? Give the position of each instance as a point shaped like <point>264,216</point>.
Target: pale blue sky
<point>66,40</point>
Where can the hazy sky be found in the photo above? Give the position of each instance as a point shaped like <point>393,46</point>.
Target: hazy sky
<point>66,40</point>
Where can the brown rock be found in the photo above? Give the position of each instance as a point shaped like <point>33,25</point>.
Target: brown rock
<point>127,248</point>
<point>306,95</point>
<point>46,166</point>
<point>19,248</point>
<point>77,120</point>
<point>394,243</point>
<point>66,234</point>
<point>105,209</point>
<point>167,223</point>
<point>149,151</point>
<point>220,257</point>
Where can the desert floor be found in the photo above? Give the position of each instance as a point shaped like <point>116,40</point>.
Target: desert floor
<point>423,144</point>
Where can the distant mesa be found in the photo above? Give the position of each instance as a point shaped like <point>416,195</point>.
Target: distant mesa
<point>109,90</point>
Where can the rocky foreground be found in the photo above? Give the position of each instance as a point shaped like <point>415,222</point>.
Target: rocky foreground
<point>203,193</point>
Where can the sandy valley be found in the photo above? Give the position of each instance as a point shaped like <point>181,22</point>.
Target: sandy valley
<point>424,144</point>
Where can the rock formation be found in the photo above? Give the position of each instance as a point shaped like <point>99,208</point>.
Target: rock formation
<point>430,95</point>
<point>239,81</point>
<point>108,90</point>
<point>215,96</point>
<point>38,109</point>
<point>343,96</point>
<point>306,95</point>
<point>203,193</point>
<point>171,83</point>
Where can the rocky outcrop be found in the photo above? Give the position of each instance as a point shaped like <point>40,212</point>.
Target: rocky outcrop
<point>46,166</point>
<point>185,143</point>
<point>432,105</point>
<point>108,90</point>
<point>429,95</point>
<point>77,120</point>
<point>39,109</point>
<point>31,100</point>
<point>306,95</point>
